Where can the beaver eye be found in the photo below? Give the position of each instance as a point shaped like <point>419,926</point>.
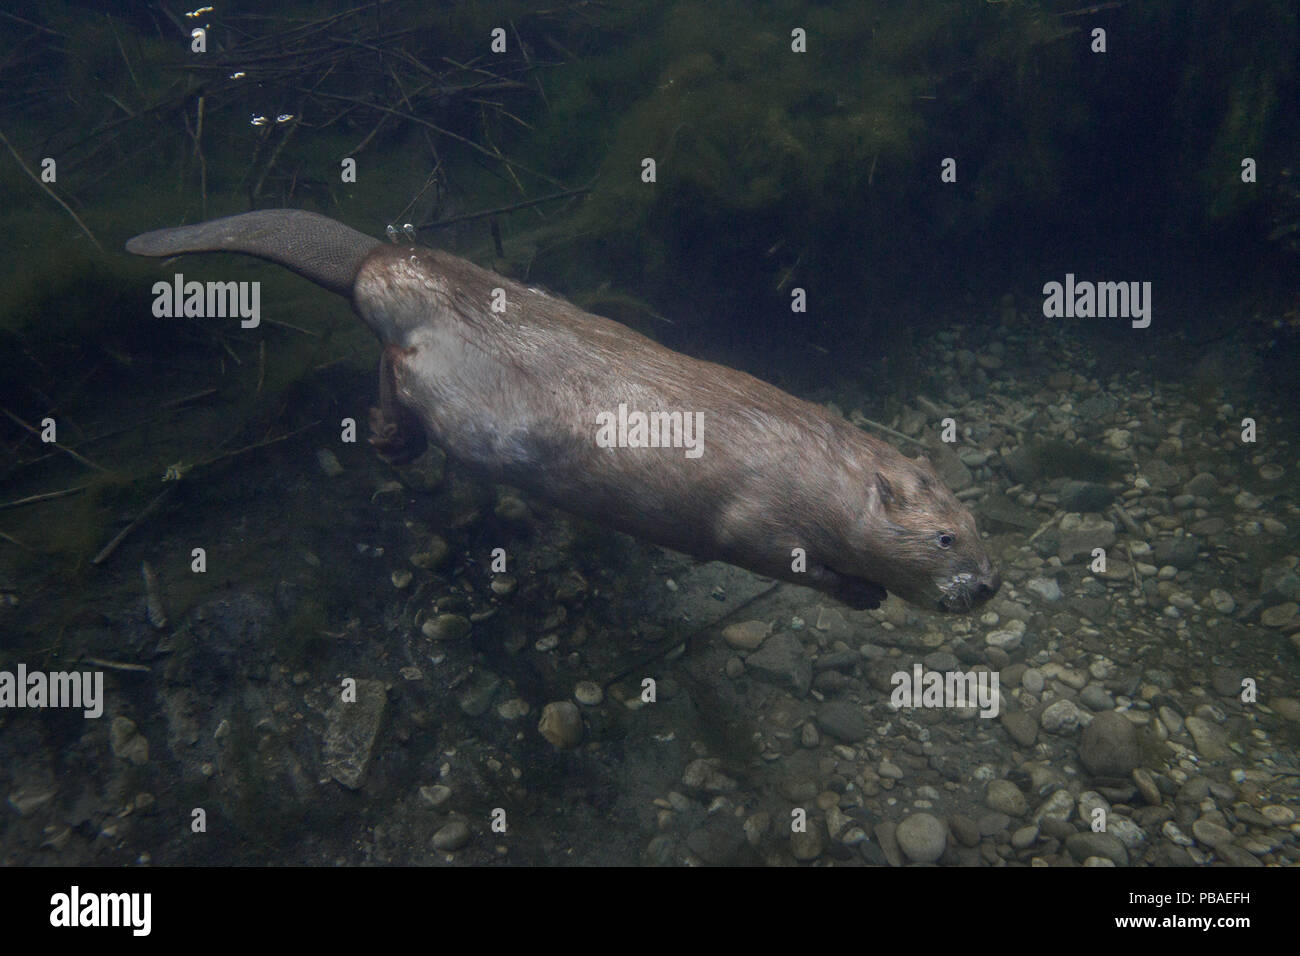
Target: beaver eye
<point>945,539</point>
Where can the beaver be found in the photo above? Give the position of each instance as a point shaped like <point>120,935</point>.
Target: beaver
<point>520,385</point>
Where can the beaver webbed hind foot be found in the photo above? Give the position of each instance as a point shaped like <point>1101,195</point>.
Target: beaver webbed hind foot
<point>397,437</point>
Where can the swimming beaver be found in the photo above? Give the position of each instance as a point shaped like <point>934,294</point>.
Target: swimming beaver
<point>519,392</point>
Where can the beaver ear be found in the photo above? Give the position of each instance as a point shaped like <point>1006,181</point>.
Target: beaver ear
<point>884,490</point>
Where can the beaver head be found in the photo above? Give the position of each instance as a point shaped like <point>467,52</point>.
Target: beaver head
<point>916,539</point>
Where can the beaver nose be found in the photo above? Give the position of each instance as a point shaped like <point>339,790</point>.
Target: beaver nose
<point>987,587</point>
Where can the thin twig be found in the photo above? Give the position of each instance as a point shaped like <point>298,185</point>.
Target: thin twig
<point>889,431</point>
<point>51,193</point>
<point>231,352</point>
<point>502,209</point>
<point>1126,519</point>
<point>114,665</point>
<point>53,407</point>
<point>671,646</point>
<point>67,451</point>
<point>523,50</point>
<point>1056,516</point>
<point>198,152</point>
<point>132,426</point>
<point>192,397</point>
<point>294,328</point>
<point>125,59</point>
<point>12,540</point>
<point>1132,565</point>
<point>47,496</point>
<point>157,503</point>
<point>275,155</point>
<point>119,104</point>
<point>336,361</point>
<point>140,519</point>
<point>445,132</point>
<point>1088,11</point>
<point>34,26</point>
<point>261,444</point>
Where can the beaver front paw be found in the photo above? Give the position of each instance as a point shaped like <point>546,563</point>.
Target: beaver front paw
<point>398,440</point>
<point>859,594</point>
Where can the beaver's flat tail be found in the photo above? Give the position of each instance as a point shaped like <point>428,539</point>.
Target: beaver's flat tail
<point>314,246</point>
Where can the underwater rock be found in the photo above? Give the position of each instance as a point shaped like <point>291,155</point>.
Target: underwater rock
<point>1037,460</point>
<point>1081,846</point>
<point>1045,588</point>
<point>1061,717</point>
<point>1280,615</point>
<point>352,730</point>
<point>807,845</point>
<point>1005,797</point>
<point>782,661</point>
<point>951,468</point>
<point>452,837</point>
<point>1084,496</point>
<point>446,627</point>
<point>1279,584</point>
<point>436,795</point>
<point>717,842</point>
<point>706,774</point>
<point>475,700</point>
<point>434,556</point>
<point>843,720</point>
<point>561,724</point>
<point>1211,740</point>
<point>922,837</point>
<point>746,635</point>
<point>1177,552</point>
<point>1097,407</point>
<point>1109,746</point>
<point>127,742</point>
<point>1081,533</point>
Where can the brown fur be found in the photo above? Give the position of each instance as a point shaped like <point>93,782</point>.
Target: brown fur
<point>516,395</point>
